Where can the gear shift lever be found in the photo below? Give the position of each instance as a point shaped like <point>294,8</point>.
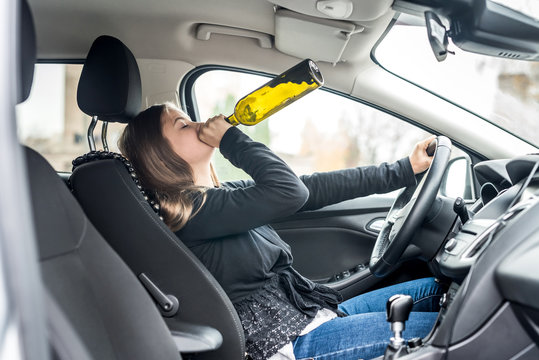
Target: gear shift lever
<point>398,309</point>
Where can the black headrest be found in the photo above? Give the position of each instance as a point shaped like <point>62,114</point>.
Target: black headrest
<point>109,86</point>
<point>27,52</point>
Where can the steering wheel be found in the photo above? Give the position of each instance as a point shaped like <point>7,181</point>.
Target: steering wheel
<point>408,211</point>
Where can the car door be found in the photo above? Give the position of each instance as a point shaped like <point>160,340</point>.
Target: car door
<point>324,131</point>
<point>23,322</point>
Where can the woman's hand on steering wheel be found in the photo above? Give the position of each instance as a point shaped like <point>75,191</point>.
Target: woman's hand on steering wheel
<point>411,206</point>
<point>419,159</point>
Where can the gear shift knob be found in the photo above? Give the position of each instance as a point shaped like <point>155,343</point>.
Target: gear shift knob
<point>398,310</point>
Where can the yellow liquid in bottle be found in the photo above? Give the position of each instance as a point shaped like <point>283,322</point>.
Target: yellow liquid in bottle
<point>267,100</point>
<point>283,90</point>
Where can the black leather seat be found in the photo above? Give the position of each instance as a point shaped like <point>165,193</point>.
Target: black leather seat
<point>96,307</point>
<point>110,310</point>
<point>118,209</point>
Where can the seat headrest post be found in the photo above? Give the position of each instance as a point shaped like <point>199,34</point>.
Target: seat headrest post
<point>90,135</point>
<point>104,135</point>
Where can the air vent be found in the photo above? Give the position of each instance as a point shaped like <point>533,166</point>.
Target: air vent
<point>508,55</point>
<point>480,242</point>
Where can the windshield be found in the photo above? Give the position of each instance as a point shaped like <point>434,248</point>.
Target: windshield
<point>503,91</point>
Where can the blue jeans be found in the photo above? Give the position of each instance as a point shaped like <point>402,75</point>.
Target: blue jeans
<point>365,333</point>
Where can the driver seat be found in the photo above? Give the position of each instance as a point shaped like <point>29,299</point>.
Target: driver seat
<point>107,189</point>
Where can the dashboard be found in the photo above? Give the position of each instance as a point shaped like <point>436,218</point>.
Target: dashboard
<point>500,203</point>
<point>492,260</point>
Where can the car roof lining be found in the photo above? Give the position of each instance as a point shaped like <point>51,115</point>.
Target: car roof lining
<point>146,27</point>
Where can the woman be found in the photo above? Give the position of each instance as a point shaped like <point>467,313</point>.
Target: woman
<point>284,315</point>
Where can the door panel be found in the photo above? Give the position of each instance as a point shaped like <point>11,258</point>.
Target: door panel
<point>333,245</point>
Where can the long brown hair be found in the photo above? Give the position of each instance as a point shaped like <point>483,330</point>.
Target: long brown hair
<point>161,171</point>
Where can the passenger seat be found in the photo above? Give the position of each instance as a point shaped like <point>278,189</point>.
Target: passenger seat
<point>112,313</point>
<point>96,308</point>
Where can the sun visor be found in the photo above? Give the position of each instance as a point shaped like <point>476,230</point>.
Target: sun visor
<point>351,10</point>
<point>309,37</point>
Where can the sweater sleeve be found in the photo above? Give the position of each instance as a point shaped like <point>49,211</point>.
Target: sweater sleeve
<point>274,192</point>
<point>336,186</point>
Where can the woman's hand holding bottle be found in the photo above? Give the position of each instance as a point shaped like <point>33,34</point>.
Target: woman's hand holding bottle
<point>211,132</point>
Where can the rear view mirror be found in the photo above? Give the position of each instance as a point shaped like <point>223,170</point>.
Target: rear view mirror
<point>479,26</point>
<point>437,34</point>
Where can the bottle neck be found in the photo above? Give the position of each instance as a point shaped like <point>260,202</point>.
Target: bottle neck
<point>232,120</point>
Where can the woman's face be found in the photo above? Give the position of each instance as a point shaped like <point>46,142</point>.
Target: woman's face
<point>182,134</point>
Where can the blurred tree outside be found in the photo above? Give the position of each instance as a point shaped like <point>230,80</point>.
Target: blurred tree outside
<point>517,100</point>
<point>503,91</point>
<point>322,132</point>
<point>364,137</point>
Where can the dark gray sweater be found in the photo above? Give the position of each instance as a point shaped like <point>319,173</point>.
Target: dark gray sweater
<point>230,234</point>
<point>252,263</point>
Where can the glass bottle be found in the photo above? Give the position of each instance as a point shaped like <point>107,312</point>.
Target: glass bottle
<point>283,90</point>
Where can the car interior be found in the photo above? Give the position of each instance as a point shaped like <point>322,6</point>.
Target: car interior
<point>115,282</point>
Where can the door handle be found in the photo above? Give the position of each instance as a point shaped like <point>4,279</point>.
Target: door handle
<point>376,225</point>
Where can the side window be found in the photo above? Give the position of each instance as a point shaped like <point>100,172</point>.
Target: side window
<point>51,122</point>
<point>321,132</point>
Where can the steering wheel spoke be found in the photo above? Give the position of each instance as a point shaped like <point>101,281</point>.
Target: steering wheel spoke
<point>408,212</point>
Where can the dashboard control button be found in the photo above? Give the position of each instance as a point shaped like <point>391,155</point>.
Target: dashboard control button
<point>415,342</point>
<point>443,300</point>
<point>450,245</point>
